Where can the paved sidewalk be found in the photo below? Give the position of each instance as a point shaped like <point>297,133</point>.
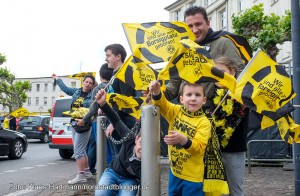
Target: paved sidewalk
<point>263,181</point>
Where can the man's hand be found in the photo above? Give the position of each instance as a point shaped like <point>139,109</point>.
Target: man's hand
<point>175,138</point>
<point>101,97</point>
<point>109,130</point>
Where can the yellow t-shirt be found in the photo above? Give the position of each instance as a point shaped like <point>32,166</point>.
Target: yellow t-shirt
<point>6,123</point>
<point>186,164</point>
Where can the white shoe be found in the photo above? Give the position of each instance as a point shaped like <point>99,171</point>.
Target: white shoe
<point>88,175</point>
<point>79,179</point>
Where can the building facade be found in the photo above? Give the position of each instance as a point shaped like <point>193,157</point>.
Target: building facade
<point>220,12</point>
<point>43,93</point>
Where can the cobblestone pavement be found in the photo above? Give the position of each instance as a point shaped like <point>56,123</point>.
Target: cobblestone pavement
<point>263,181</point>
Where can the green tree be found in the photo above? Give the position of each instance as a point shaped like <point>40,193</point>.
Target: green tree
<point>2,59</point>
<point>263,31</point>
<point>12,93</point>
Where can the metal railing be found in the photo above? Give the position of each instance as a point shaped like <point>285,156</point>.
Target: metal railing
<point>266,160</point>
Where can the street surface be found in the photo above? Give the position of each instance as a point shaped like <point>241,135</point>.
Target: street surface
<point>39,168</point>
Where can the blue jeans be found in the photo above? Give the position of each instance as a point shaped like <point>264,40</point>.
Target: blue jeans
<point>91,149</point>
<point>111,183</point>
<point>180,187</point>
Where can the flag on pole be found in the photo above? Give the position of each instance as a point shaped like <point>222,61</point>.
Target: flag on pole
<point>81,75</point>
<point>130,105</point>
<point>20,112</point>
<point>264,86</point>
<point>193,63</point>
<point>155,42</point>
<point>136,73</point>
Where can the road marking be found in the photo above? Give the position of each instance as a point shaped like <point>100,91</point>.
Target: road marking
<point>51,163</point>
<point>26,167</point>
<point>21,192</point>
<point>10,171</point>
<point>40,165</point>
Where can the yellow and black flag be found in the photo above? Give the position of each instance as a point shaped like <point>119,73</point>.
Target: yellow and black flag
<point>136,74</point>
<point>81,75</point>
<point>264,86</point>
<point>193,63</point>
<point>289,131</point>
<point>155,42</point>
<point>20,112</point>
<point>129,105</point>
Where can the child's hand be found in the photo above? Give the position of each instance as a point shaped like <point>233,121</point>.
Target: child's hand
<point>175,138</point>
<point>101,97</point>
<point>155,87</point>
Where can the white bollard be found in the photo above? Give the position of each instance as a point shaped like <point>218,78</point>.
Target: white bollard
<point>101,148</point>
<point>150,127</point>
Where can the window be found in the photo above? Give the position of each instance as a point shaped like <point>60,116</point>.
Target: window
<point>223,18</point>
<point>45,100</point>
<point>53,87</point>
<point>37,101</point>
<point>241,5</point>
<point>52,100</point>
<point>192,3</point>
<point>30,87</point>
<point>73,84</point>
<point>208,2</point>
<point>178,15</point>
<point>29,101</point>
<point>46,88</point>
<point>37,87</point>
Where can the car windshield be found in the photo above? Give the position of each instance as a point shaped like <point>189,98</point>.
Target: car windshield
<point>30,120</point>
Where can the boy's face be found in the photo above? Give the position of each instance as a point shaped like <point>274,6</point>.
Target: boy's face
<point>111,59</point>
<point>192,98</point>
<point>138,147</point>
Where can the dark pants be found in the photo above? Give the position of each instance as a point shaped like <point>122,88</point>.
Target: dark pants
<point>91,150</point>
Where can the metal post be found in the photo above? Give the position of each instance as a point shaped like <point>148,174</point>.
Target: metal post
<point>150,127</point>
<point>101,148</point>
<point>295,10</point>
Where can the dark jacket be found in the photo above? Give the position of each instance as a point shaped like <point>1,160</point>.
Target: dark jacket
<point>122,88</point>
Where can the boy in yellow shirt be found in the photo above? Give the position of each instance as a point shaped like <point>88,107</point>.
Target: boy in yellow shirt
<point>189,133</point>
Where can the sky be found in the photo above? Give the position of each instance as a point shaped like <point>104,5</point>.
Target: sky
<point>65,37</point>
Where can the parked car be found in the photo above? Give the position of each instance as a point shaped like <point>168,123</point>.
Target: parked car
<point>60,135</point>
<point>35,127</point>
<point>12,143</point>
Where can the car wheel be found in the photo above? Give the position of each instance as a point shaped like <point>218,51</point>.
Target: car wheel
<point>16,150</point>
<point>45,139</point>
<point>65,154</point>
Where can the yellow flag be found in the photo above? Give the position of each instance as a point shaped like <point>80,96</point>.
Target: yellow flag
<point>81,75</point>
<point>289,131</point>
<point>77,113</point>
<point>130,105</point>
<point>20,112</point>
<point>193,63</point>
<point>155,42</point>
<point>136,74</point>
<point>264,86</point>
